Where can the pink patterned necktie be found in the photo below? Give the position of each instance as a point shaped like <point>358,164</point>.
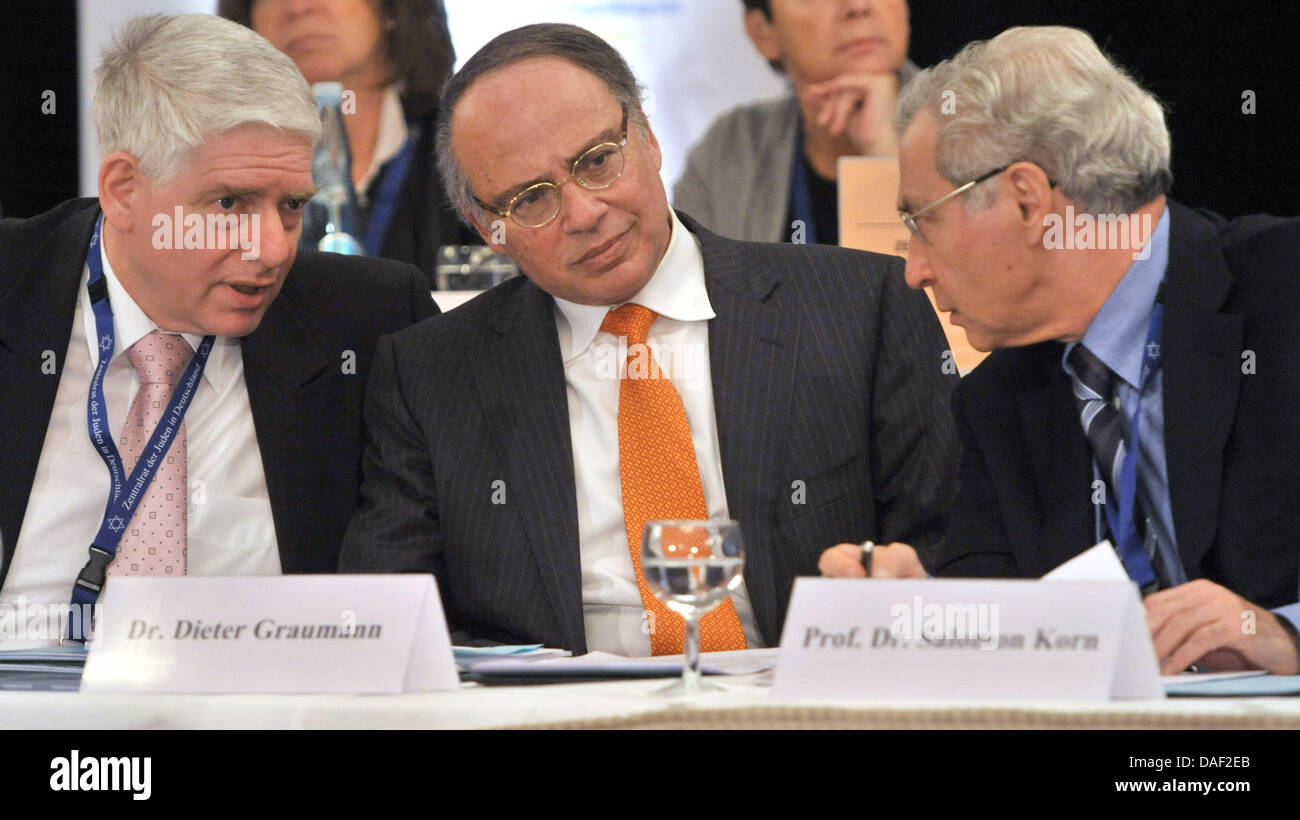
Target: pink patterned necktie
<point>154,540</point>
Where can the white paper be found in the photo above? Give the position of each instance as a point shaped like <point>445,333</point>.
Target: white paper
<point>1137,673</point>
<point>593,664</point>
<point>1202,677</point>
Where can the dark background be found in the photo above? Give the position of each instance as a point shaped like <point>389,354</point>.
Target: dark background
<point>38,152</point>
<point>1197,56</point>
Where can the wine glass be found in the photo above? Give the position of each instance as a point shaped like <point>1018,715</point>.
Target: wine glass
<point>692,566</point>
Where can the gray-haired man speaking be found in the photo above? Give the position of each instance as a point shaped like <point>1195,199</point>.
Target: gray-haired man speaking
<point>179,290</point>
<point>1144,385</point>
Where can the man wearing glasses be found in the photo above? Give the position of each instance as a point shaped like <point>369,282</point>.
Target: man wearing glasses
<point>1145,383</point>
<point>644,369</point>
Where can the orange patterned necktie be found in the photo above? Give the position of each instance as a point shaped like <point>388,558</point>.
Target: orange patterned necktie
<point>661,479</point>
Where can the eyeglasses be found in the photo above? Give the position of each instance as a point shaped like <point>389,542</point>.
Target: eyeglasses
<point>538,204</point>
<point>910,219</point>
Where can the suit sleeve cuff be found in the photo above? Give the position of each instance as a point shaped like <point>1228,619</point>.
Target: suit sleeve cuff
<point>1291,612</point>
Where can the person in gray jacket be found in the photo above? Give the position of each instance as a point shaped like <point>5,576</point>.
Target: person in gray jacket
<point>766,171</point>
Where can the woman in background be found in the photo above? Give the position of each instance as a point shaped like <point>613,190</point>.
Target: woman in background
<point>763,166</point>
<point>394,55</point>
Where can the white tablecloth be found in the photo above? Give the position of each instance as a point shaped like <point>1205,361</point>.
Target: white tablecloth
<point>622,704</point>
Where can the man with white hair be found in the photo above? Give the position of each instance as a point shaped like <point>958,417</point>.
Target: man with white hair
<point>1144,383</point>
<point>165,351</point>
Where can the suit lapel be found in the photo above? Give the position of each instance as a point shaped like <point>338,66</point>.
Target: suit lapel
<point>1202,377</point>
<point>521,383</point>
<point>751,360</point>
<point>281,362</point>
<point>282,348</point>
<point>37,312</point>
<point>1061,465</point>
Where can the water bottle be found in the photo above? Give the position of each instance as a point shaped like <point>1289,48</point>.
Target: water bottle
<point>330,222</point>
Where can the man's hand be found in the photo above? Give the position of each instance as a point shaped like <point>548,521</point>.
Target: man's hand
<point>894,560</point>
<point>1202,622</point>
<point>859,106</point>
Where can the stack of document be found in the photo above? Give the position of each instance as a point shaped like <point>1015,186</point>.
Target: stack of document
<point>468,657</point>
<point>56,668</point>
<point>1255,683</point>
<point>595,666</point>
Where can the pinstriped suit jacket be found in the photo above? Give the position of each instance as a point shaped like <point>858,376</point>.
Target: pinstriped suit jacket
<point>826,368</point>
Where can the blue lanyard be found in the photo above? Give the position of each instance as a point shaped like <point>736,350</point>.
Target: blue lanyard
<point>1122,523</point>
<point>799,190</point>
<point>385,204</point>
<point>126,492</point>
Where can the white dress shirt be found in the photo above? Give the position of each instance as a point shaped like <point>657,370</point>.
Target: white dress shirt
<point>229,526</point>
<point>679,337</point>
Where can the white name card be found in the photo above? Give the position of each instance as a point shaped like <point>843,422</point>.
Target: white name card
<point>965,640</point>
<point>291,633</point>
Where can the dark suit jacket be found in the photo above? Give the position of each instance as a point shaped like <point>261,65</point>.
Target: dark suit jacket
<point>306,409</point>
<point>1232,438</point>
<point>826,369</point>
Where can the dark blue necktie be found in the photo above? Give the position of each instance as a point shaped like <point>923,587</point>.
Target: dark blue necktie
<point>1106,430</point>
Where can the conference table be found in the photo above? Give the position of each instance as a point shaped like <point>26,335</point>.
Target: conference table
<point>628,704</point>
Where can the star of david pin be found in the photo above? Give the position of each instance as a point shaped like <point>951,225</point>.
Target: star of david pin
<point>105,343</point>
<point>116,524</point>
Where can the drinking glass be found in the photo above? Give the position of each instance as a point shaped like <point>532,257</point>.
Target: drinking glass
<point>692,566</point>
<point>472,267</point>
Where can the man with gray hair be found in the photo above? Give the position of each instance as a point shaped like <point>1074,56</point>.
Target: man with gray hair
<point>642,369</point>
<point>173,314</point>
<point>1144,383</point>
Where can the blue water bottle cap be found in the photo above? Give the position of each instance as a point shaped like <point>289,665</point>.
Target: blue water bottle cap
<point>327,93</point>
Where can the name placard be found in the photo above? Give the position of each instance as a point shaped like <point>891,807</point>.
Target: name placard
<point>963,640</point>
<point>291,633</point>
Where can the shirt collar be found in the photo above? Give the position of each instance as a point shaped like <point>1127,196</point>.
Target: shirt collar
<point>131,324</point>
<point>389,139</point>
<point>1118,333</point>
<point>676,291</point>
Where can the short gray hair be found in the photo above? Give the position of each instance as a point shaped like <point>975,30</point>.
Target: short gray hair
<point>565,42</point>
<point>1046,94</point>
<point>167,83</point>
